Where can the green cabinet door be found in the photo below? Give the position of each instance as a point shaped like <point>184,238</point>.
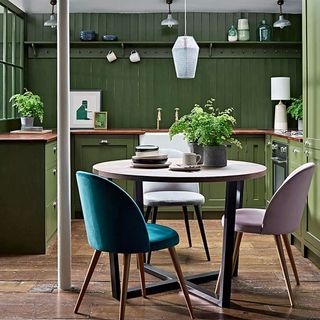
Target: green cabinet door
<point>91,149</point>
<point>268,164</point>
<point>311,72</point>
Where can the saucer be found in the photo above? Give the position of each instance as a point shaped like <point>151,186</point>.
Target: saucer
<point>180,167</point>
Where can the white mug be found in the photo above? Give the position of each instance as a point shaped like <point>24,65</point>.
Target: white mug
<point>111,56</point>
<point>134,56</point>
<point>190,159</point>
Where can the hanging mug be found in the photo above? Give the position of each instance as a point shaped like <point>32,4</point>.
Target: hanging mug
<point>134,56</point>
<point>111,56</point>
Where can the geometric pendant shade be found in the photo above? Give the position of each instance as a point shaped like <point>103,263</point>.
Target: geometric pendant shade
<point>185,56</point>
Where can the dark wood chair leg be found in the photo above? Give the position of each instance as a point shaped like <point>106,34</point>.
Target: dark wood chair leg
<point>186,221</point>
<point>125,279</point>
<point>291,258</point>
<point>182,283</point>
<point>203,233</point>
<point>153,221</point>
<point>93,263</point>
<point>140,258</point>
<point>147,214</point>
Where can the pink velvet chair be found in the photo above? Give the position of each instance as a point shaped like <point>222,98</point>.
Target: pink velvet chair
<point>281,217</point>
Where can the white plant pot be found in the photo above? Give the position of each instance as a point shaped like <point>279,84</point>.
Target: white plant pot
<point>300,125</point>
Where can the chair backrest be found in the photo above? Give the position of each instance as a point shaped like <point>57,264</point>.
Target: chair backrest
<point>170,186</point>
<point>284,212</point>
<point>113,221</point>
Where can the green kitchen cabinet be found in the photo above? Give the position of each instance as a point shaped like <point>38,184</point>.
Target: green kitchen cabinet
<point>88,150</point>
<point>28,195</point>
<point>268,164</point>
<point>254,190</point>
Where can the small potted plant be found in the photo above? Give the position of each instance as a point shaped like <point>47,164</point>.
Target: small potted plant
<point>296,111</point>
<point>29,106</point>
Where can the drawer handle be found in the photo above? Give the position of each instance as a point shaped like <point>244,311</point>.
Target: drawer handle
<point>104,142</point>
<point>54,149</point>
<point>307,143</point>
<point>54,204</point>
<point>54,171</point>
<point>307,153</point>
<point>296,150</point>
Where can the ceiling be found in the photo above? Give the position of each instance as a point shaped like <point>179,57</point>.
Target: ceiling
<point>43,6</point>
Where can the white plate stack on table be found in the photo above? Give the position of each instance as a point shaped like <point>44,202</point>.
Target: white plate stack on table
<point>148,156</point>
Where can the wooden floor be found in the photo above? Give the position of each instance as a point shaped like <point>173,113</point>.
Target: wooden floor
<point>28,284</point>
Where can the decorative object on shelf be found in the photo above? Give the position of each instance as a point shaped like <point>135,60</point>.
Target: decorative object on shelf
<point>134,56</point>
<point>176,114</point>
<point>296,111</point>
<point>169,21</point>
<point>52,22</point>
<point>281,22</point>
<point>280,90</point>
<point>232,34</point>
<point>111,56</point>
<point>88,35</point>
<point>100,120</point>
<point>110,37</point>
<point>29,106</point>
<point>185,53</point>
<point>243,30</point>
<point>264,31</point>
<point>158,118</point>
<point>83,104</point>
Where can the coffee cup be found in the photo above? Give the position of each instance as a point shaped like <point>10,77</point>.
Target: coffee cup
<point>111,56</point>
<point>134,56</point>
<point>190,159</point>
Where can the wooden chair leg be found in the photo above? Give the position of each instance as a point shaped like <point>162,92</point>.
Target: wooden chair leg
<point>147,214</point>
<point>186,222</point>
<point>202,232</point>
<point>140,258</point>
<point>283,264</point>
<point>183,286</point>
<point>125,278</point>
<point>93,263</point>
<point>234,259</point>
<point>291,258</point>
<point>153,221</point>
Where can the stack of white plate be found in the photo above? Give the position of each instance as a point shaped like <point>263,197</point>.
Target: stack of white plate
<point>148,156</point>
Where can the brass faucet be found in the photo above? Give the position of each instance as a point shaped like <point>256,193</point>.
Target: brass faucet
<point>176,114</point>
<point>158,118</point>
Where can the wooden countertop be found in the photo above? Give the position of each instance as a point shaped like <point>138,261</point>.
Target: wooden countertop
<point>53,136</point>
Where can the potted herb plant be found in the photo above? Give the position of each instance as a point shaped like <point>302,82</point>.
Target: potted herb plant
<point>296,111</point>
<point>29,106</point>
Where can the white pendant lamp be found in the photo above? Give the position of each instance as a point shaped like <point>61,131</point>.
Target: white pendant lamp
<point>281,22</point>
<point>169,21</point>
<point>185,53</point>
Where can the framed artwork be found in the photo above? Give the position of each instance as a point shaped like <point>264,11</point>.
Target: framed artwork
<point>100,120</point>
<point>83,105</point>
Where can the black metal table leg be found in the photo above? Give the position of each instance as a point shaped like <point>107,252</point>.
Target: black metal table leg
<point>228,243</point>
<point>115,277</point>
<point>139,195</point>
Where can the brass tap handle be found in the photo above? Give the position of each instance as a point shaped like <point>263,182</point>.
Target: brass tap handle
<point>176,114</point>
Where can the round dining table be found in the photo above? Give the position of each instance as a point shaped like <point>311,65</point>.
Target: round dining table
<point>234,175</point>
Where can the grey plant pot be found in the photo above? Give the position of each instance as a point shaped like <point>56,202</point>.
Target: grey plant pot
<point>196,148</point>
<point>215,156</point>
<point>27,121</point>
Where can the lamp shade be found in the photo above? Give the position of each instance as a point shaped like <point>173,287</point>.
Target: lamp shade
<point>282,22</point>
<point>185,56</point>
<point>280,88</point>
<point>169,21</point>
<point>52,22</point>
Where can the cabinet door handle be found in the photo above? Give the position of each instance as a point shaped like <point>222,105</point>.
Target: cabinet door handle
<point>307,143</point>
<point>269,143</point>
<point>54,204</point>
<point>296,150</point>
<point>54,171</point>
<point>54,149</point>
<point>104,142</point>
<point>307,153</point>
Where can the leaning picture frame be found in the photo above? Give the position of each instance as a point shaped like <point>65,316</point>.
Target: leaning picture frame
<point>100,120</point>
<point>83,105</point>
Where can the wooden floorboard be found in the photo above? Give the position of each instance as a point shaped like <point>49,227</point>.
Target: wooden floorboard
<point>28,284</point>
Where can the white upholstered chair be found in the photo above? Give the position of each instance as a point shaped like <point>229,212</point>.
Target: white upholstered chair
<point>165,194</point>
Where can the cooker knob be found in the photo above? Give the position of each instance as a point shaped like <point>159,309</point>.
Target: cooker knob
<point>283,149</point>
<point>274,146</point>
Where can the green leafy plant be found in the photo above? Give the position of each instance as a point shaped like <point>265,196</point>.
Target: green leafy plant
<point>207,128</point>
<point>296,108</point>
<point>28,104</point>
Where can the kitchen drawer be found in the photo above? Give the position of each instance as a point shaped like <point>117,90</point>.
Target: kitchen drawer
<point>51,220</point>
<point>51,185</point>
<point>51,153</point>
<point>296,155</point>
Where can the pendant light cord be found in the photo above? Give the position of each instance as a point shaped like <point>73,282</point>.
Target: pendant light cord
<point>185,17</point>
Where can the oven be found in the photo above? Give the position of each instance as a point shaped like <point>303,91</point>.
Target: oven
<point>279,164</point>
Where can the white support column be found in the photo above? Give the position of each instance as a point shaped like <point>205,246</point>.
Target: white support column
<point>64,202</point>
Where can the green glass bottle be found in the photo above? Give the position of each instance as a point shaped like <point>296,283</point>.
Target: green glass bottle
<point>264,31</point>
<point>232,34</point>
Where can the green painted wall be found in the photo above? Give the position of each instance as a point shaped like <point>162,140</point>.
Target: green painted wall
<point>132,92</point>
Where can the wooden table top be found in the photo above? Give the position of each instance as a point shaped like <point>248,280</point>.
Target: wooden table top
<point>234,171</point>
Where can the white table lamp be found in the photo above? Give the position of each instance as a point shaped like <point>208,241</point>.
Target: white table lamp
<point>280,90</point>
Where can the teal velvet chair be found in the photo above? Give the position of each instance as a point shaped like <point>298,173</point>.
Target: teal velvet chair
<point>115,224</point>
